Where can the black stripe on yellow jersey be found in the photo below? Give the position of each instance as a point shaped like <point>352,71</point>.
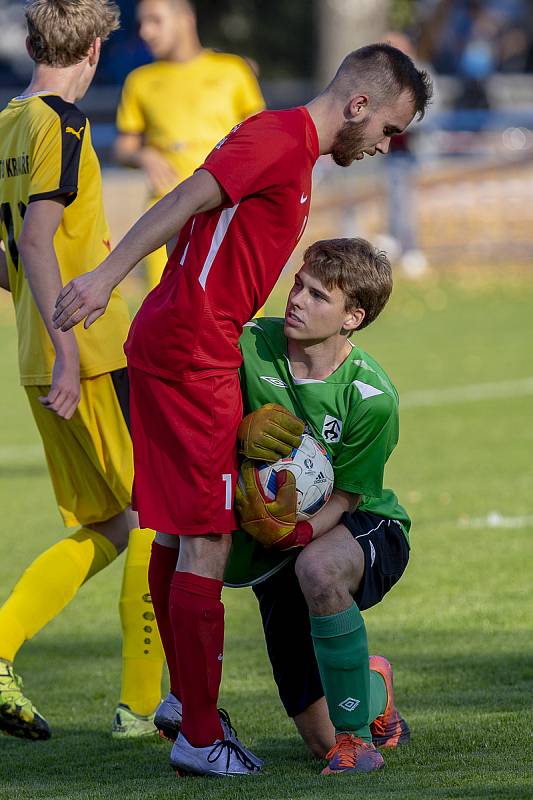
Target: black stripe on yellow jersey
<point>46,154</point>
<point>73,126</point>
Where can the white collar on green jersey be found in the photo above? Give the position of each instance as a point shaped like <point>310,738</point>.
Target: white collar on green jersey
<point>300,381</point>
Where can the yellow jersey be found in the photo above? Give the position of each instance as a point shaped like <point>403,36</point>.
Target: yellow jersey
<point>46,152</point>
<point>185,109</point>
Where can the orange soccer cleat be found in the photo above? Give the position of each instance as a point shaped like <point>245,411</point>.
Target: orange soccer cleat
<point>352,754</point>
<point>389,729</point>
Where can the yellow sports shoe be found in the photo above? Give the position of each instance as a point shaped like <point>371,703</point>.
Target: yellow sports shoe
<point>18,715</point>
<point>128,725</point>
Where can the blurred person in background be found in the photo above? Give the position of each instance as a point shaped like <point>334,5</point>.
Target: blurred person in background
<point>478,60</point>
<point>174,111</point>
<point>474,38</point>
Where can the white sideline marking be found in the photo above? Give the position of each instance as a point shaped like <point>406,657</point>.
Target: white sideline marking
<point>466,394</point>
<point>496,520</point>
<point>21,454</point>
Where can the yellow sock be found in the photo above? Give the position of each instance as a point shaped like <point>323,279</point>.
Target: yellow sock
<point>142,651</point>
<point>49,584</point>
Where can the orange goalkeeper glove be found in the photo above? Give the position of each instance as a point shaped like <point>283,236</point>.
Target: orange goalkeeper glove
<point>273,523</point>
<point>269,433</point>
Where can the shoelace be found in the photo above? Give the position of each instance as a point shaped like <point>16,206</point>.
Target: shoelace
<point>378,726</point>
<point>230,747</point>
<point>12,676</point>
<point>224,716</point>
<point>22,701</point>
<point>346,750</point>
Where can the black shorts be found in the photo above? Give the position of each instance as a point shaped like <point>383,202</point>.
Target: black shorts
<point>122,388</point>
<point>286,617</point>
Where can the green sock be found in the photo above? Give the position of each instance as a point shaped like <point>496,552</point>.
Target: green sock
<point>342,654</point>
<point>378,696</point>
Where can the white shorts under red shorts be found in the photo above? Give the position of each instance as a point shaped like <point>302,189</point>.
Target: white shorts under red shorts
<point>185,454</point>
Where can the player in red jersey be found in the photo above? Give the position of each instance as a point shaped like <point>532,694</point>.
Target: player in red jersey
<point>237,220</point>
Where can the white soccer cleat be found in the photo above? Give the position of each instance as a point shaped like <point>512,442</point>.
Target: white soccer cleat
<point>168,721</point>
<point>168,718</point>
<point>224,758</point>
<point>128,725</point>
<point>230,734</point>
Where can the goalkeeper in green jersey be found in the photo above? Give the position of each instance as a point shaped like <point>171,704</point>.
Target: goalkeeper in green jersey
<point>357,546</point>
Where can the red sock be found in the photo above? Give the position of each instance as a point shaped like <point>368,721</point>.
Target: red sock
<point>197,616</point>
<point>160,573</point>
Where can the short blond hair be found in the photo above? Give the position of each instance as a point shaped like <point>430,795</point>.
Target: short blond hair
<point>357,268</point>
<point>62,31</point>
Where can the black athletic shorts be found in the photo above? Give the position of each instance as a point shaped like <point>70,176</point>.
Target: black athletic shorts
<point>286,617</point>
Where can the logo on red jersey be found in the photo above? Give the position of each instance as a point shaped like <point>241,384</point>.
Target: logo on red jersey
<point>236,128</point>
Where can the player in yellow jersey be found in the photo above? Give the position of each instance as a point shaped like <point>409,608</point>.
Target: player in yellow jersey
<point>52,224</point>
<point>174,111</point>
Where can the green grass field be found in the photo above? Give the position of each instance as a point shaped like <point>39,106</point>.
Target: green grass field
<point>457,628</point>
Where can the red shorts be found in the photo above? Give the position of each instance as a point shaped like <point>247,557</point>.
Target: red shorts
<point>185,456</point>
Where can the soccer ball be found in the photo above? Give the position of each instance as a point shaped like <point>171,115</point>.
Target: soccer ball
<point>311,466</point>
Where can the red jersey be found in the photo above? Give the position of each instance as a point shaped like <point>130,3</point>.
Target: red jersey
<point>227,260</point>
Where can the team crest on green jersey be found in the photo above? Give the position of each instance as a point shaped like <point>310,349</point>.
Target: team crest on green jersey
<point>331,429</point>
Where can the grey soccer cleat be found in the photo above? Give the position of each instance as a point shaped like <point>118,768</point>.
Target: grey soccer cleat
<point>168,718</point>
<point>230,734</point>
<point>224,758</point>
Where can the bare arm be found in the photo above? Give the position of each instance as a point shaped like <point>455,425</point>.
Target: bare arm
<point>130,151</point>
<point>330,515</point>
<point>87,296</point>
<point>171,246</point>
<point>4,277</point>
<point>36,248</point>
<point>127,148</point>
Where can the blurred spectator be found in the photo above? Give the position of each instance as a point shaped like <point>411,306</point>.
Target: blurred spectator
<point>527,29</point>
<point>474,38</point>
<point>15,64</point>
<point>174,111</point>
<point>125,51</point>
<point>478,59</point>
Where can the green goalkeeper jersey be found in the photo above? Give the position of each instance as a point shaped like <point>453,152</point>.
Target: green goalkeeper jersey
<point>353,412</point>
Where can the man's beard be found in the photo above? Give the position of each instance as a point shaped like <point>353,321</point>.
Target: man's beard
<point>348,143</point>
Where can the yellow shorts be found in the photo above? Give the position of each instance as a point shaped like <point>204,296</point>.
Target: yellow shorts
<point>155,263</point>
<point>89,456</point>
